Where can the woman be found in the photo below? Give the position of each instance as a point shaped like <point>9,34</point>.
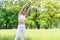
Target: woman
<point>21,24</point>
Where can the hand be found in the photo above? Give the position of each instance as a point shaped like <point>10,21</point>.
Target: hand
<point>30,3</point>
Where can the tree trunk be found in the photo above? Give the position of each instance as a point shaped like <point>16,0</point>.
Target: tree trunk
<point>6,24</point>
<point>38,25</point>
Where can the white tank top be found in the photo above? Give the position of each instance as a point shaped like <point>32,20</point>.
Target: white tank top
<point>21,18</point>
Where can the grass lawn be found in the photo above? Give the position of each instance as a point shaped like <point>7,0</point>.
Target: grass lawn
<point>32,34</point>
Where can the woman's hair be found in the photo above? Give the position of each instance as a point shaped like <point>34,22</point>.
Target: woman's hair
<point>23,12</point>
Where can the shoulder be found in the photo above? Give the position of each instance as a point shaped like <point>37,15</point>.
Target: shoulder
<point>19,15</point>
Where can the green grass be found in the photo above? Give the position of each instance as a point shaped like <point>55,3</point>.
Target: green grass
<point>32,34</point>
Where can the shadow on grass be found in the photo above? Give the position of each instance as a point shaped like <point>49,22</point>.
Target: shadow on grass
<point>11,37</point>
<point>28,38</point>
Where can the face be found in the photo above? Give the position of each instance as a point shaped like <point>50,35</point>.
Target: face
<point>23,12</point>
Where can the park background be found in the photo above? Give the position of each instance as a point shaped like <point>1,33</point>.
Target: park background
<point>43,20</point>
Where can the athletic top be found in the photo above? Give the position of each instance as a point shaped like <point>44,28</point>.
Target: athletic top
<point>21,18</point>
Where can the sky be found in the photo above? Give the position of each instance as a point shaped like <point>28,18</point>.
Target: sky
<point>0,0</point>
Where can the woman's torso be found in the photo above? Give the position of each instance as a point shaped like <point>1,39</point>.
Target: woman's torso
<point>21,19</point>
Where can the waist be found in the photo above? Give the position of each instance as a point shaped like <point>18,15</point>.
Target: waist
<point>21,23</point>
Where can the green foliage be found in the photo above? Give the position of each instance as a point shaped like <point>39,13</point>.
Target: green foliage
<point>45,16</point>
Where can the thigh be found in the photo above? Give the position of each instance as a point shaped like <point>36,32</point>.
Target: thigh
<point>22,27</point>
<point>18,30</point>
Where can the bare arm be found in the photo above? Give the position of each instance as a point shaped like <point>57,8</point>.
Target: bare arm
<point>28,9</point>
<point>23,7</point>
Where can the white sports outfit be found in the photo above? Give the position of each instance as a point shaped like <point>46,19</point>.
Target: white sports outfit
<point>21,28</point>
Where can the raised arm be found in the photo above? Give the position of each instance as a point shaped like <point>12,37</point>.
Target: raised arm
<point>23,7</point>
<point>29,8</point>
